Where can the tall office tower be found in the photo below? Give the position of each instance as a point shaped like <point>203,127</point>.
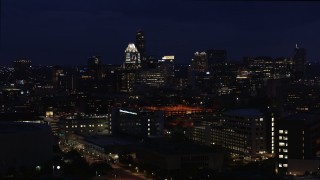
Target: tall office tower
<point>297,144</point>
<point>132,58</point>
<point>95,67</point>
<point>21,70</point>
<point>140,43</point>
<point>300,59</point>
<point>216,57</point>
<point>199,62</point>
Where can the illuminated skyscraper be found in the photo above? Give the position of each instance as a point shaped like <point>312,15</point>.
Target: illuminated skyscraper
<point>300,59</point>
<point>132,58</point>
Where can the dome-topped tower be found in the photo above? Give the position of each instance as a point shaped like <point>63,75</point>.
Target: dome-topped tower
<point>132,58</point>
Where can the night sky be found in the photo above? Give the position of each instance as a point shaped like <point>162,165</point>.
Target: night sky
<point>67,32</point>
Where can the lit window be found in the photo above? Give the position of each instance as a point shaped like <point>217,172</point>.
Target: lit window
<point>261,119</point>
<point>285,165</point>
<point>148,124</point>
<point>280,137</point>
<point>280,165</point>
<point>286,132</point>
<point>285,150</point>
<point>280,131</point>
<point>286,156</point>
<point>272,119</point>
<point>67,126</point>
<point>281,144</point>
<point>280,156</point>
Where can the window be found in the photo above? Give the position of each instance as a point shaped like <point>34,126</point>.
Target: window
<point>285,165</point>
<point>280,131</point>
<point>280,156</point>
<point>285,150</point>
<point>281,144</point>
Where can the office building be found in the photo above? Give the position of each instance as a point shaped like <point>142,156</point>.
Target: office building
<point>300,60</point>
<point>22,70</point>
<point>140,123</point>
<point>199,62</point>
<point>95,67</point>
<point>216,57</point>
<point>132,58</point>
<point>297,144</point>
<point>85,123</point>
<point>140,44</point>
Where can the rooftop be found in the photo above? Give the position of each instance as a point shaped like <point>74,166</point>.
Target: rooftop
<point>250,112</point>
<point>167,146</point>
<point>19,127</point>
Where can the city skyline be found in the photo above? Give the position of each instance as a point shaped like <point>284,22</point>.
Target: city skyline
<point>62,32</point>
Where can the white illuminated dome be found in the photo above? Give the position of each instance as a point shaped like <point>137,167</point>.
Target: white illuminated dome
<point>131,48</point>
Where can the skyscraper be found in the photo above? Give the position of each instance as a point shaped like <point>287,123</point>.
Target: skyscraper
<point>216,56</point>
<point>21,70</point>
<point>131,64</point>
<point>299,59</point>
<point>140,44</point>
<point>199,62</point>
<point>95,67</point>
<point>132,58</point>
